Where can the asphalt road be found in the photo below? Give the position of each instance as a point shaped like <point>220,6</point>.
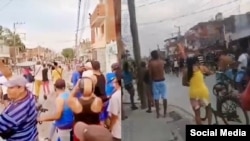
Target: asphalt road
<point>178,96</point>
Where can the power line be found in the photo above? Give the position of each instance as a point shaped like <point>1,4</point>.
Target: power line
<point>206,4</point>
<point>77,22</point>
<point>84,17</point>
<point>5,5</point>
<point>190,14</point>
<point>147,4</point>
<point>192,23</point>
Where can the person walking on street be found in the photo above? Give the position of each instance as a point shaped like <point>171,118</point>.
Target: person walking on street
<point>241,71</point>
<point>128,84</point>
<point>100,89</point>
<point>64,117</point>
<point>77,75</point>
<point>45,77</point>
<point>114,109</point>
<point>198,90</point>
<point>57,73</point>
<point>176,67</point>
<point>157,75</point>
<point>116,68</point>
<point>38,78</point>
<point>147,85</point>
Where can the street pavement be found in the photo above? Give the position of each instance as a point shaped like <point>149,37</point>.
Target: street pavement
<point>141,126</point>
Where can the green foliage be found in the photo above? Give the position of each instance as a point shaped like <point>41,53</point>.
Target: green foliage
<point>8,37</point>
<point>68,53</point>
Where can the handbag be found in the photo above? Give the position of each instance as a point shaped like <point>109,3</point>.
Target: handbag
<point>245,98</point>
<point>30,77</point>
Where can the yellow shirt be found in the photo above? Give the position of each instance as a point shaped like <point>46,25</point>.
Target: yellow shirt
<point>197,87</point>
<point>56,74</point>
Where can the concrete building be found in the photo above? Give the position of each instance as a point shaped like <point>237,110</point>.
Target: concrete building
<point>38,53</point>
<point>238,30</point>
<point>9,54</point>
<point>230,31</point>
<point>4,51</point>
<point>105,24</point>
<point>205,34</point>
<point>85,51</point>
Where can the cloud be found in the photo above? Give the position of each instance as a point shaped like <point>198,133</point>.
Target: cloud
<point>51,23</point>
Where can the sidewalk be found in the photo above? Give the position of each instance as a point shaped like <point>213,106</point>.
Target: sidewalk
<point>125,97</point>
<point>142,126</point>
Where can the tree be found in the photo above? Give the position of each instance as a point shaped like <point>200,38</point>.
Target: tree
<point>8,37</point>
<point>68,53</point>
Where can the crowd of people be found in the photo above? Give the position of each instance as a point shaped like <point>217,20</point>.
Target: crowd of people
<point>91,111</point>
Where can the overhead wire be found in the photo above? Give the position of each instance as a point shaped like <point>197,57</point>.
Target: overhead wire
<point>5,5</point>
<point>205,4</point>
<point>189,14</point>
<point>147,4</point>
<point>207,9</point>
<point>86,5</point>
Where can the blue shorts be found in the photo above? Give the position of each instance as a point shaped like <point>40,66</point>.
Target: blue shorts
<point>159,90</point>
<point>104,114</point>
<point>240,76</point>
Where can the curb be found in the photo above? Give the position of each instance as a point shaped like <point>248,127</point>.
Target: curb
<point>187,113</point>
<point>177,107</point>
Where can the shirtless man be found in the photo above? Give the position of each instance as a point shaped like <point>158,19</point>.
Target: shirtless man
<point>156,71</point>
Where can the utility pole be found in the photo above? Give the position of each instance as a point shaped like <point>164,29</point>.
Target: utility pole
<point>77,27</point>
<point>179,31</point>
<point>239,7</point>
<point>16,50</point>
<point>137,52</point>
<point>158,47</point>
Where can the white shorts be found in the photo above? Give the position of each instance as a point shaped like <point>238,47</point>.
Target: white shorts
<point>63,135</point>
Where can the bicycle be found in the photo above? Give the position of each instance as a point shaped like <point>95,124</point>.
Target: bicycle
<point>226,82</point>
<point>231,113</point>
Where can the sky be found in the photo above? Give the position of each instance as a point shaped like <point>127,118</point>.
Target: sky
<point>48,23</point>
<point>153,33</point>
<point>52,23</point>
